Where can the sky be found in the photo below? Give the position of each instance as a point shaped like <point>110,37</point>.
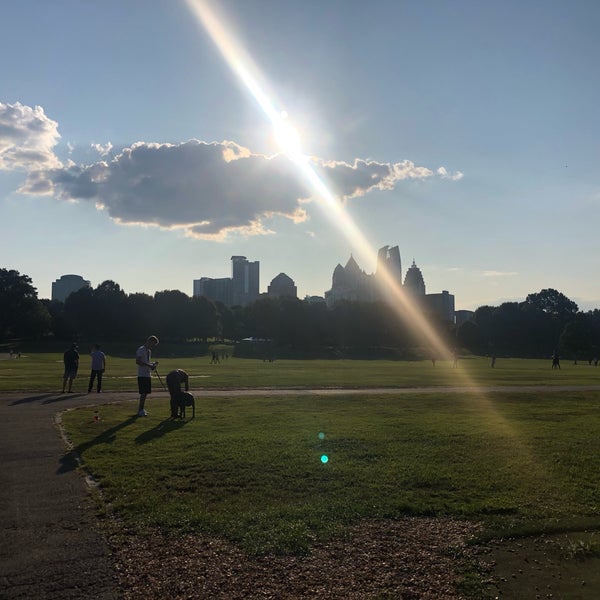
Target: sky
<point>148,141</point>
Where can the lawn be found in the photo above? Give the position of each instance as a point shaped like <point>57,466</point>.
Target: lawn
<point>39,371</point>
<point>275,473</point>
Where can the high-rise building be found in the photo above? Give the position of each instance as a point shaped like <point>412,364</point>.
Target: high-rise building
<point>388,261</point>
<point>441,305</point>
<point>240,289</point>
<point>245,276</point>
<point>217,290</point>
<point>66,285</point>
<point>350,283</point>
<point>282,286</point>
<point>414,282</point>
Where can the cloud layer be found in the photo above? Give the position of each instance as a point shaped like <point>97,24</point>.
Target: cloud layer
<point>27,138</point>
<point>209,190</point>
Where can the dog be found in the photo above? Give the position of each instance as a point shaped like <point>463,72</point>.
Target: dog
<point>184,399</point>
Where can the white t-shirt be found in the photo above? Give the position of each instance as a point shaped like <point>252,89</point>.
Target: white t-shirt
<point>97,360</point>
<point>144,354</point>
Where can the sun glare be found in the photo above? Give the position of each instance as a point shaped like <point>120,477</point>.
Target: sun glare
<point>287,136</point>
<point>288,139</point>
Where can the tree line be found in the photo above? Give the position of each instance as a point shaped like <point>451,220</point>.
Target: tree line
<point>545,321</point>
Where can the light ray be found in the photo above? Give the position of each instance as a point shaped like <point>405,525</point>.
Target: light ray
<point>241,64</point>
<point>406,308</point>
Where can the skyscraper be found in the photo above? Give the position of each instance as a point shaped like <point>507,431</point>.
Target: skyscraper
<point>414,282</point>
<point>67,284</point>
<point>245,280</point>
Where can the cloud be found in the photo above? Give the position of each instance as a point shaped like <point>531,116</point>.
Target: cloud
<point>499,273</point>
<point>210,190</point>
<point>102,150</point>
<point>443,173</point>
<point>27,138</point>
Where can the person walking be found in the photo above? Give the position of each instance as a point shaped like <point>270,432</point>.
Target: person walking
<point>175,379</point>
<point>145,366</point>
<point>71,362</point>
<point>98,368</point>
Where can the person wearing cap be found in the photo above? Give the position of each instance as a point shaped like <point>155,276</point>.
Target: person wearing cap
<point>71,360</point>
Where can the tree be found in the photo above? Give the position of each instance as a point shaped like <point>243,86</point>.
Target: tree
<point>553,303</point>
<point>203,319</point>
<point>21,313</point>
<point>173,315</point>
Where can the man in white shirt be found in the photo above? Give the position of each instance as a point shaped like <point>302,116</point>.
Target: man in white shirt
<point>145,366</point>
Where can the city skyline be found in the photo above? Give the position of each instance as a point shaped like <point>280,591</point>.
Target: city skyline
<point>467,133</point>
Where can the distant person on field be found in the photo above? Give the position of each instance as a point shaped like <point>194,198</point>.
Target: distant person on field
<point>98,368</point>
<point>555,360</point>
<point>145,366</point>
<point>493,360</point>
<point>454,358</point>
<point>71,361</point>
<point>174,381</point>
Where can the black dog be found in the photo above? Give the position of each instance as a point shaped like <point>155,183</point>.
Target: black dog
<point>184,399</point>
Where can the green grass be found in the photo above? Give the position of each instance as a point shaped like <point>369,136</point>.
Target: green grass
<point>43,372</point>
<point>251,469</point>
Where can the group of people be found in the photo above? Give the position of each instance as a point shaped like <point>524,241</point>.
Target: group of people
<point>145,366</point>
<point>71,362</point>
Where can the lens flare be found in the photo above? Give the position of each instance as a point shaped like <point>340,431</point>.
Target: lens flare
<point>324,459</point>
<point>404,305</point>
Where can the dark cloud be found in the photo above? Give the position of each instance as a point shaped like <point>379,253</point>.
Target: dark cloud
<point>207,189</point>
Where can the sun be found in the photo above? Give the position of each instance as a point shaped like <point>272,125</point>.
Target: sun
<point>287,136</point>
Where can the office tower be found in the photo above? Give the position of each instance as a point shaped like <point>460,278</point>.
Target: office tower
<point>245,280</point>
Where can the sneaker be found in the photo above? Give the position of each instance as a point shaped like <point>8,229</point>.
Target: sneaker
<point>142,413</point>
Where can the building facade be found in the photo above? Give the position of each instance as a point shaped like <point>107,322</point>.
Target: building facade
<point>352,283</point>
<point>66,285</point>
<point>241,289</point>
<point>282,286</point>
<point>217,290</point>
<point>245,276</point>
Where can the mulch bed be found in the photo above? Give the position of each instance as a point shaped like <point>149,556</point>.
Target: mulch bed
<point>402,559</point>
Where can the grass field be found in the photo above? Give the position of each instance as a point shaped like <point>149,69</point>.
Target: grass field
<point>275,473</point>
<point>43,372</point>
<point>254,469</point>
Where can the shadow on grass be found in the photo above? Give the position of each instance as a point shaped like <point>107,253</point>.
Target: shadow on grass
<point>161,429</point>
<point>72,459</point>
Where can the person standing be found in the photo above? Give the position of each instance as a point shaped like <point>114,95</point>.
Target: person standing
<point>174,381</point>
<point>71,361</point>
<point>145,366</point>
<point>98,367</point>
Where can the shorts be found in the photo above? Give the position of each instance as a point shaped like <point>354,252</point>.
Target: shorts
<point>145,385</point>
<point>70,373</point>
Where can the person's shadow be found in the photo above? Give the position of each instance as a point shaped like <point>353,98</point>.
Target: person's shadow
<point>164,427</point>
<point>46,398</point>
<point>72,460</point>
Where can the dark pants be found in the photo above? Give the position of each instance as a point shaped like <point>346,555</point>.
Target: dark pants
<point>93,376</point>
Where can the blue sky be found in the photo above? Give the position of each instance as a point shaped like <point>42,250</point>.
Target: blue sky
<point>465,132</point>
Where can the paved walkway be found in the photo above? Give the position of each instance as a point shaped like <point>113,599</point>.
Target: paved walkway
<point>50,545</point>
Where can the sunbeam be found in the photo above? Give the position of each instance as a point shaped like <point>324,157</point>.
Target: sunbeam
<point>289,141</point>
<point>405,307</point>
